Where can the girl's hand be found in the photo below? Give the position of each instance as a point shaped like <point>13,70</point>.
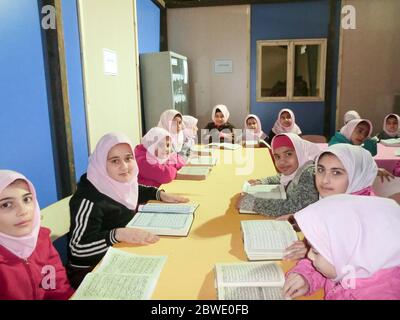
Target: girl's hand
<point>295,286</point>
<point>384,174</point>
<point>254,182</point>
<point>297,250</point>
<point>285,217</point>
<point>172,198</point>
<point>135,236</point>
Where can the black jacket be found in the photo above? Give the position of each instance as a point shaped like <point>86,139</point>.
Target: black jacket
<point>94,218</point>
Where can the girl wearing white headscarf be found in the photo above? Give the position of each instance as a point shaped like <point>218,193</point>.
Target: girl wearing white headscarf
<point>350,115</point>
<point>26,249</point>
<point>356,132</point>
<point>286,123</point>
<point>252,130</point>
<point>157,164</point>
<point>299,184</point>
<point>171,120</point>
<point>104,202</point>
<point>190,133</point>
<point>355,249</point>
<point>391,129</point>
<point>219,130</point>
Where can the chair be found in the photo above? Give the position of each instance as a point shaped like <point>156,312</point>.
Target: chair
<point>315,138</point>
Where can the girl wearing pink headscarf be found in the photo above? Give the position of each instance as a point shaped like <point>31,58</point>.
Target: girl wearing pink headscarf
<point>355,249</point>
<point>104,202</point>
<point>157,164</point>
<point>294,159</point>
<point>286,123</point>
<point>219,130</point>
<point>252,131</point>
<point>27,255</point>
<point>390,127</point>
<point>357,132</point>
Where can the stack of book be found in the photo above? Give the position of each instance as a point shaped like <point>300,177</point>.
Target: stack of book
<point>202,161</point>
<point>391,142</point>
<point>193,173</point>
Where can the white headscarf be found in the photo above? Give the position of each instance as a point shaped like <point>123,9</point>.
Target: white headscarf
<point>250,134</point>
<point>278,128</point>
<point>224,111</point>
<point>354,233</point>
<point>391,134</point>
<point>361,168</point>
<point>347,130</point>
<point>166,122</point>
<point>22,247</point>
<point>306,152</point>
<point>151,141</point>
<point>124,193</point>
<point>190,123</point>
<point>351,115</point>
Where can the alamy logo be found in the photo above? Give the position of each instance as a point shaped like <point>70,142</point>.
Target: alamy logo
<point>349,19</point>
<point>49,279</point>
<point>49,18</point>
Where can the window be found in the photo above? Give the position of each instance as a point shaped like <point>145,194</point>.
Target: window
<point>291,70</point>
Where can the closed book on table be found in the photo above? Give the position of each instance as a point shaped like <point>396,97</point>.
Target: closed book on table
<point>193,173</point>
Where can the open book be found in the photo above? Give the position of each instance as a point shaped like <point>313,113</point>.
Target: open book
<point>202,150</point>
<point>122,276</point>
<point>267,239</point>
<point>193,173</point>
<point>249,281</point>
<point>224,145</point>
<point>202,161</point>
<point>265,191</point>
<point>164,219</point>
<point>391,142</point>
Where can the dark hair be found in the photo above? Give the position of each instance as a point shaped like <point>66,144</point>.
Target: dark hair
<point>392,116</point>
<point>218,110</point>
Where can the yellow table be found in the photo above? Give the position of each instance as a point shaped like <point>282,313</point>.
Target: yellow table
<point>215,236</point>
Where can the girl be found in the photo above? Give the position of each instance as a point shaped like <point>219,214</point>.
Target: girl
<point>350,115</point>
<point>390,127</point>
<point>157,164</point>
<point>190,133</point>
<point>286,123</point>
<point>357,132</point>
<point>105,201</point>
<point>253,131</point>
<point>220,130</point>
<point>294,160</point>
<point>171,120</point>
<point>355,251</point>
<point>30,267</point>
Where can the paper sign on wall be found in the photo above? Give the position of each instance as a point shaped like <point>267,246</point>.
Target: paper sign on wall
<point>110,62</point>
<point>223,66</point>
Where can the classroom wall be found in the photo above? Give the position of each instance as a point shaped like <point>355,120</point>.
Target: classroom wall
<point>25,136</point>
<point>148,24</point>
<point>204,35</point>
<point>298,20</point>
<point>370,61</point>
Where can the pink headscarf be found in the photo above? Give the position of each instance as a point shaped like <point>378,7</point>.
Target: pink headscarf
<point>361,168</point>
<point>166,121</point>
<point>351,115</point>
<point>306,152</point>
<point>278,128</point>
<point>357,235</point>
<point>124,193</point>
<point>224,111</point>
<point>391,134</point>
<point>347,130</point>
<point>190,123</point>
<point>251,134</point>
<point>22,247</point>
<point>151,141</point>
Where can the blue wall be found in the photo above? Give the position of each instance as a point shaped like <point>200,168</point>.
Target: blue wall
<point>25,137</point>
<point>148,16</point>
<point>75,86</point>
<point>290,21</point>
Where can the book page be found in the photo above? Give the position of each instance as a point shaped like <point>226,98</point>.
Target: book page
<point>159,220</point>
<point>203,160</point>
<point>267,235</point>
<point>108,286</point>
<point>249,274</point>
<point>265,191</point>
<point>250,293</point>
<point>395,142</point>
<point>194,170</point>
<point>225,145</point>
<point>185,208</point>
<point>118,261</point>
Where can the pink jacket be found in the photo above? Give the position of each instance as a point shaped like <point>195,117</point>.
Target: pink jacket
<point>24,280</point>
<point>156,174</point>
<point>383,285</point>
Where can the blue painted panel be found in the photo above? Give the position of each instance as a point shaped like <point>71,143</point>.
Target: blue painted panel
<point>25,136</point>
<point>75,86</point>
<point>148,16</point>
